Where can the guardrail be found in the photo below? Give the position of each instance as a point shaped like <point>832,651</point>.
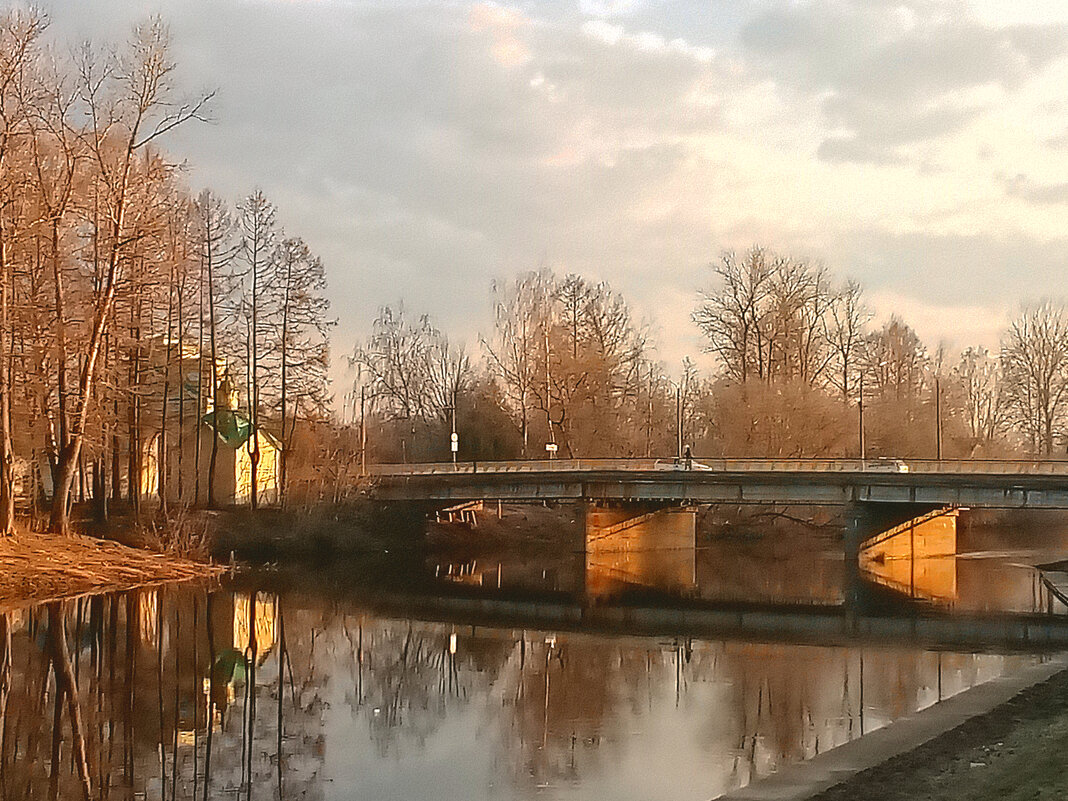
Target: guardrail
<point>920,466</point>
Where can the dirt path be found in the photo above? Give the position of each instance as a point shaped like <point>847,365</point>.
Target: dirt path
<point>1016,751</point>
<point>35,568</point>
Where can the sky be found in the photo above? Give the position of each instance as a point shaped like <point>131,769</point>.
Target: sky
<point>426,149</point>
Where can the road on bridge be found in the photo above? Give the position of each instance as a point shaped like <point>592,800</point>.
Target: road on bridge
<point>1000,484</point>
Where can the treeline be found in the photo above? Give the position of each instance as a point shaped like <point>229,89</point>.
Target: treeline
<point>797,354</point>
<point>125,300</point>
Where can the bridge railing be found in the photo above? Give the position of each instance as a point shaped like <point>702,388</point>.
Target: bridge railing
<point>922,466</point>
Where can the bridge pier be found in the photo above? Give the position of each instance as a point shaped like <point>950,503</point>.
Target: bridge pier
<point>639,546</point>
<point>908,549</point>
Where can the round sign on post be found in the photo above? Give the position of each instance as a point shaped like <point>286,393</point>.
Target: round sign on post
<point>455,442</point>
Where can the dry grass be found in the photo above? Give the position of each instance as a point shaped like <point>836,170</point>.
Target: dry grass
<point>37,567</point>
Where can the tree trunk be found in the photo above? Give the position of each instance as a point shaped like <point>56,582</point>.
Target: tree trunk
<point>254,394</point>
<point>168,355</point>
<point>7,466</point>
<point>59,520</point>
<point>283,454</point>
<point>67,688</point>
<point>214,381</point>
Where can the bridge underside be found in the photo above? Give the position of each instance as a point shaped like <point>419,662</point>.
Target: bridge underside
<point>915,558</point>
<point>980,491</point>
<point>640,545</point>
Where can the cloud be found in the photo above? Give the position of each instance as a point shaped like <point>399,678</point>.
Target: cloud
<point>608,8</point>
<point>610,34</point>
<point>852,148</point>
<point>1023,187</point>
<point>503,25</point>
<point>892,74</point>
<point>424,149</point>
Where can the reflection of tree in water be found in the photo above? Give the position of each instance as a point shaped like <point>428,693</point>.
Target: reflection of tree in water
<point>564,696</point>
<point>795,702</point>
<point>408,676</point>
<point>128,685</point>
<point>182,698</point>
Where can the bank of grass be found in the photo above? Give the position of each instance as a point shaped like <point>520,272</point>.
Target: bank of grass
<point>1014,752</point>
<point>36,568</point>
<point>313,532</point>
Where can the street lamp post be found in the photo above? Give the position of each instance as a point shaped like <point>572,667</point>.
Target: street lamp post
<point>363,431</point>
<point>938,419</point>
<point>454,440</point>
<point>678,417</point>
<point>860,410</point>
<point>678,420</point>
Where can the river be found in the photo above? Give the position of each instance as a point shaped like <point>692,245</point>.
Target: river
<point>324,683</point>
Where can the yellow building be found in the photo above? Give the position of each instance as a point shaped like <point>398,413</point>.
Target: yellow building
<point>189,456</point>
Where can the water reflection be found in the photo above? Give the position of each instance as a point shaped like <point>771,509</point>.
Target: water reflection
<point>633,552</point>
<point>181,694</point>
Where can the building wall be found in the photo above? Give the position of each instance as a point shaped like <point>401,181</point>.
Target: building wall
<point>267,472</point>
<point>233,469</point>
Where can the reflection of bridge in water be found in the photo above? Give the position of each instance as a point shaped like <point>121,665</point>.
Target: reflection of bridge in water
<point>641,572</point>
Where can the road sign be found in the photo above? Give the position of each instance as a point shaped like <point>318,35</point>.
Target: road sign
<point>551,447</point>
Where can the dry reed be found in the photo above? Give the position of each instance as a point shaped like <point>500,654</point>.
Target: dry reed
<point>35,568</point>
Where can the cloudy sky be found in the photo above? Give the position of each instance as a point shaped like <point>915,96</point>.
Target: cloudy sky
<point>427,148</point>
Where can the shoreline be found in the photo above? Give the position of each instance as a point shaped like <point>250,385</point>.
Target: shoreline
<point>897,762</point>
<point>1013,751</point>
<point>39,569</point>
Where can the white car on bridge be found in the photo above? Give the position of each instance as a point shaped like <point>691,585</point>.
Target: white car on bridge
<point>884,465</point>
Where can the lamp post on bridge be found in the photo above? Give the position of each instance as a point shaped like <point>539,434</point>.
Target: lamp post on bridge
<point>860,412</point>
<point>454,440</point>
<point>550,447</point>
<point>678,421</point>
<point>938,418</point>
<point>678,417</point>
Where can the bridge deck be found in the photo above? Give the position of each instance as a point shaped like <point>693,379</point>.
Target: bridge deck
<point>978,483</point>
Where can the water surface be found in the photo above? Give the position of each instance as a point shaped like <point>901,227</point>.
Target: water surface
<point>301,685</point>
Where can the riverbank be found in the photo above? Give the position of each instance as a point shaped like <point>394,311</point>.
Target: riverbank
<point>37,568</point>
<point>1016,751</point>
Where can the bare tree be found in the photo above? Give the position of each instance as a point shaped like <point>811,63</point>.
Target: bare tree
<point>895,361</point>
<point>767,318</point>
<point>217,251</point>
<point>20,34</point>
<point>978,378</point>
<point>521,312</point>
<point>409,368</point>
<point>302,340</point>
<point>259,236</point>
<point>1034,363</point>
<point>128,100</point>
<point>732,314</point>
<point>845,323</point>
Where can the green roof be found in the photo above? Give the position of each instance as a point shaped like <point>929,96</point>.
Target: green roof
<point>233,428</point>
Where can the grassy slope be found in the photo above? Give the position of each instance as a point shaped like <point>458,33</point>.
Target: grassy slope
<point>1014,752</point>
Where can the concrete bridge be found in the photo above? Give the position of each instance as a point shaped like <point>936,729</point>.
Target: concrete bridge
<point>1001,484</point>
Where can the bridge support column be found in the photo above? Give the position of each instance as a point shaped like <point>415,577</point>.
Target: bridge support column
<point>639,546</point>
<point>907,549</point>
